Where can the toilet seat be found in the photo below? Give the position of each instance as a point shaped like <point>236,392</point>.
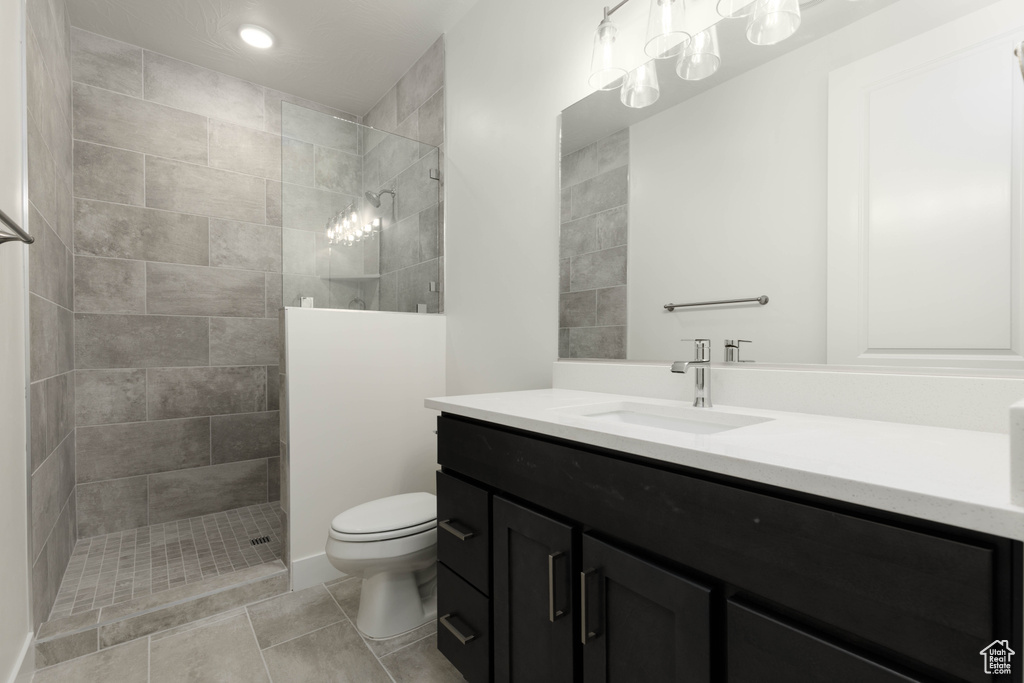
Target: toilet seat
<point>385,519</point>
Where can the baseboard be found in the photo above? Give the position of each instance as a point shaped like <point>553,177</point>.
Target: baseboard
<point>312,570</point>
<point>25,667</point>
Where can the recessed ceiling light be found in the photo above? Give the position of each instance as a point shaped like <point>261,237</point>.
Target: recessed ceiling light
<point>256,36</point>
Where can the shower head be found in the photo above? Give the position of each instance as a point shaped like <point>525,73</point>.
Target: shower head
<point>374,197</point>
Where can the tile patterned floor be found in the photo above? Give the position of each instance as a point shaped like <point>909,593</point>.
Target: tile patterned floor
<point>303,637</point>
<point>117,567</point>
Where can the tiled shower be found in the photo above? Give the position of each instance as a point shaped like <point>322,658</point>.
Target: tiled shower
<point>175,210</point>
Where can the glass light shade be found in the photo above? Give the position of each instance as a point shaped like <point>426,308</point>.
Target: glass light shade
<point>773,21</point>
<point>666,36</point>
<point>701,58</point>
<point>734,9</point>
<point>605,72</point>
<point>641,87</point>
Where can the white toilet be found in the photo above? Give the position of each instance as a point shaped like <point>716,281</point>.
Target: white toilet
<point>391,544</point>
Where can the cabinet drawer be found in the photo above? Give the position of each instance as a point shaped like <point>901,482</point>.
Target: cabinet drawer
<point>464,530</point>
<point>762,649</point>
<point>925,596</point>
<point>464,626</point>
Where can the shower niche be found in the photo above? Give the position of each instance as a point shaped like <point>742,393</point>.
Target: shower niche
<point>361,216</point>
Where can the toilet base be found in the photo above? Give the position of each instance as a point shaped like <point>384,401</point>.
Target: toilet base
<point>391,604</point>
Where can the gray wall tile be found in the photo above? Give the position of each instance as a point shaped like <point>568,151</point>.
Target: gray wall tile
<point>194,290</point>
<point>297,286</point>
<point>249,436</point>
<point>48,264</point>
<point>416,191</point>
<point>383,116</point>
<point>51,484</point>
<point>338,171</point>
<point>105,285</point>
<point>400,244</point>
<point>52,415</point>
<point>128,450</point>
<point>578,237</point>
<point>297,162</point>
<point>273,199</point>
<point>274,480</point>
<point>108,506</point>
<point>48,569</point>
<point>611,306</point>
<point>563,275</point>
<point>106,63</point>
<point>393,155</point>
<point>423,80</point>
<point>431,120</point>
<point>108,174</point>
<point>274,284</point>
<point>303,124</point>
<point>189,392</point>
<point>243,341</point>
<point>129,232</point>
<point>307,208</point>
<point>205,490</point>
<point>577,309</point>
<point>65,340</point>
<point>566,204</point>
<point>140,341</point>
<point>124,122</point>
<point>176,186</point>
<point>579,166</point>
<point>597,342</point>
<point>598,269</point>
<point>42,181</point>
<point>45,336</point>
<point>612,227</point>
<point>107,396</point>
<point>299,248</point>
<point>613,151</point>
<point>603,192</point>
<point>201,91</point>
<point>272,109</point>
<point>273,388</point>
<point>253,152</point>
<point>414,287</point>
<point>245,245</point>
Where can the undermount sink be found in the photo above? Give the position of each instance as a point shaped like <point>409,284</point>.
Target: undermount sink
<point>689,420</point>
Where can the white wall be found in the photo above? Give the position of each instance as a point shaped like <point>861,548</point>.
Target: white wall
<point>511,68</point>
<point>357,428</point>
<point>729,200</point>
<point>15,625</point>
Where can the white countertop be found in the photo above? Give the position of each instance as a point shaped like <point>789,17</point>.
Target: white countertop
<point>953,476</point>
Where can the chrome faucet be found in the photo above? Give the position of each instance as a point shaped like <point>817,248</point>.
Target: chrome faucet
<point>701,365</point>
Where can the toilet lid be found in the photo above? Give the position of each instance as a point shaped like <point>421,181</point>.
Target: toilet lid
<point>388,514</point>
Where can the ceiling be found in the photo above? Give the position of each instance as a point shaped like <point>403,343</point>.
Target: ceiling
<point>343,53</point>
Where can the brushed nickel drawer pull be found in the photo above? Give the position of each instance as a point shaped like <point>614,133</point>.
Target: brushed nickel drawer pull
<point>446,524</point>
<point>552,612</point>
<point>585,633</point>
<point>446,622</point>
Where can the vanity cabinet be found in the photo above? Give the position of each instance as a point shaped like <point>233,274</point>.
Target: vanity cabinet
<point>671,573</point>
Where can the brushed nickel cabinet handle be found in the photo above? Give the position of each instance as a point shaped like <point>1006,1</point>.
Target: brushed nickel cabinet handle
<point>446,622</point>
<point>446,524</point>
<point>585,633</point>
<point>552,612</point>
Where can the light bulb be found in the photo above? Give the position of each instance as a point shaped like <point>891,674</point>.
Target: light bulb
<point>641,87</point>
<point>701,57</point>
<point>605,71</point>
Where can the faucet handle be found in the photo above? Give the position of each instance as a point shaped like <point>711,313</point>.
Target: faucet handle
<point>701,349</point>
<point>732,350</point>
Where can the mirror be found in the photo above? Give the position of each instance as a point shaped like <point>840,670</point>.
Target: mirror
<point>863,175</point>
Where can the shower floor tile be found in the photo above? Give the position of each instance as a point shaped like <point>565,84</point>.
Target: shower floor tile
<point>115,568</point>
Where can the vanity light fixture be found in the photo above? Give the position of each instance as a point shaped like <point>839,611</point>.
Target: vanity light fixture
<point>701,57</point>
<point>772,21</point>
<point>344,228</point>
<point>698,56</point>
<point>666,35</point>
<point>256,36</point>
<point>641,87</point>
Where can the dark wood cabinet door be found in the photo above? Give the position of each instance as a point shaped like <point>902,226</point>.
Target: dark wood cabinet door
<point>532,592</point>
<point>765,649</point>
<point>641,622</point>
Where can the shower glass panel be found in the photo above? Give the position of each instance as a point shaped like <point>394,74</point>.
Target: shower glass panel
<point>361,216</point>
